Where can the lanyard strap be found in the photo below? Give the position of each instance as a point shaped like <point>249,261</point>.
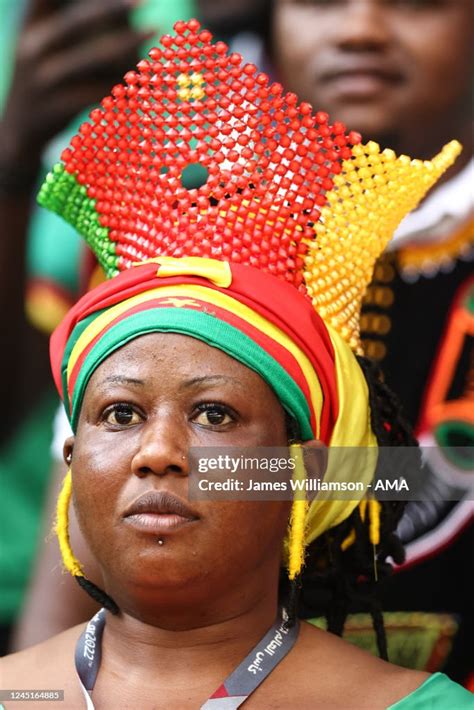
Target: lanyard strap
<point>89,654</point>
<point>233,692</point>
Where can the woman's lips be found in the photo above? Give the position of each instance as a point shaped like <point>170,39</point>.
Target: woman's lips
<point>158,512</point>
<point>156,523</point>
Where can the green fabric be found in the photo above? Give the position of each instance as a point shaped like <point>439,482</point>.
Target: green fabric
<point>76,334</point>
<point>407,648</point>
<point>45,259</point>
<point>209,329</point>
<point>438,692</point>
<point>417,640</point>
<point>160,15</point>
<point>24,474</point>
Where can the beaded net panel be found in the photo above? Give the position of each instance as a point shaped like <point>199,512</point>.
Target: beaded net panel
<point>281,188</point>
<point>268,163</point>
<point>370,197</point>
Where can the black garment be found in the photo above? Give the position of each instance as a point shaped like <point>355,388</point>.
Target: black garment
<point>404,323</point>
<point>416,314</point>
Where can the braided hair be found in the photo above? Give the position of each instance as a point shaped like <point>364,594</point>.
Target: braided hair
<point>338,578</point>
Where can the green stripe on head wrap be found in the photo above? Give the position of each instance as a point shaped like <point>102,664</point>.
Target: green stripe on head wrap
<point>201,326</point>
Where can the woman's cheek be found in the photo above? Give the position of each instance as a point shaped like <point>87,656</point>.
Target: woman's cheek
<point>253,527</point>
<point>101,466</point>
<point>104,454</point>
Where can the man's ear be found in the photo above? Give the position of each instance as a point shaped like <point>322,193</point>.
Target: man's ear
<point>315,455</point>
<point>68,450</point>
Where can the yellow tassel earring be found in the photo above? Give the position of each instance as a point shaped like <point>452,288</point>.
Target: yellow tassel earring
<point>70,562</point>
<point>296,546</point>
<point>62,528</point>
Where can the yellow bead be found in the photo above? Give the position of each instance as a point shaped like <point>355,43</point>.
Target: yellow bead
<point>372,148</point>
<point>197,93</point>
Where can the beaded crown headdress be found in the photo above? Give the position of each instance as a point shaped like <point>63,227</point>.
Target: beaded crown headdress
<point>282,189</point>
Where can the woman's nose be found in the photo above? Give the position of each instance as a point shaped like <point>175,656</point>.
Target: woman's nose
<point>163,448</point>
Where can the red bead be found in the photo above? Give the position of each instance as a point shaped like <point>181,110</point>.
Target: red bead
<point>338,128</point>
<point>179,27</point>
<point>205,37</point>
<point>194,25</point>
<point>220,48</point>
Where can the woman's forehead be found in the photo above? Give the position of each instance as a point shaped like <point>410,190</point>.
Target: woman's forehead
<point>177,357</point>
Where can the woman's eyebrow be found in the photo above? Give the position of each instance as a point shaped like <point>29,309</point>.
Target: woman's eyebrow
<point>122,380</point>
<point>211,380</point>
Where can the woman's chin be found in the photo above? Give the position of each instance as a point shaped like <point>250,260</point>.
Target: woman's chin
<point>157,569</point>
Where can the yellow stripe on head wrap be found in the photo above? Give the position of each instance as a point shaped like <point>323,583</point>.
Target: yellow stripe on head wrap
<point>356,456</point>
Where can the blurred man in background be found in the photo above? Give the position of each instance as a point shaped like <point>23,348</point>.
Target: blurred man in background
<point>401,73</point>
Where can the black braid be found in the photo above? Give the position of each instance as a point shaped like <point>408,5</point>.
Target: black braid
<point>379,627</point>
<point>97,594</point>
<point>337,612</point>
<point>388,423</point>
<point>293,599</point>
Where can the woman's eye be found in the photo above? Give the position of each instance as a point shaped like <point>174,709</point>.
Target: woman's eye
<point>213,415</point>
<point>122,415</point>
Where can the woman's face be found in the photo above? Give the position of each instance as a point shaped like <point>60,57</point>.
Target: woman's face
<point>144,407</point>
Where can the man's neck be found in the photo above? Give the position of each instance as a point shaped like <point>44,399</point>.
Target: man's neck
<point>426,146</point>
<point>429,149</point>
